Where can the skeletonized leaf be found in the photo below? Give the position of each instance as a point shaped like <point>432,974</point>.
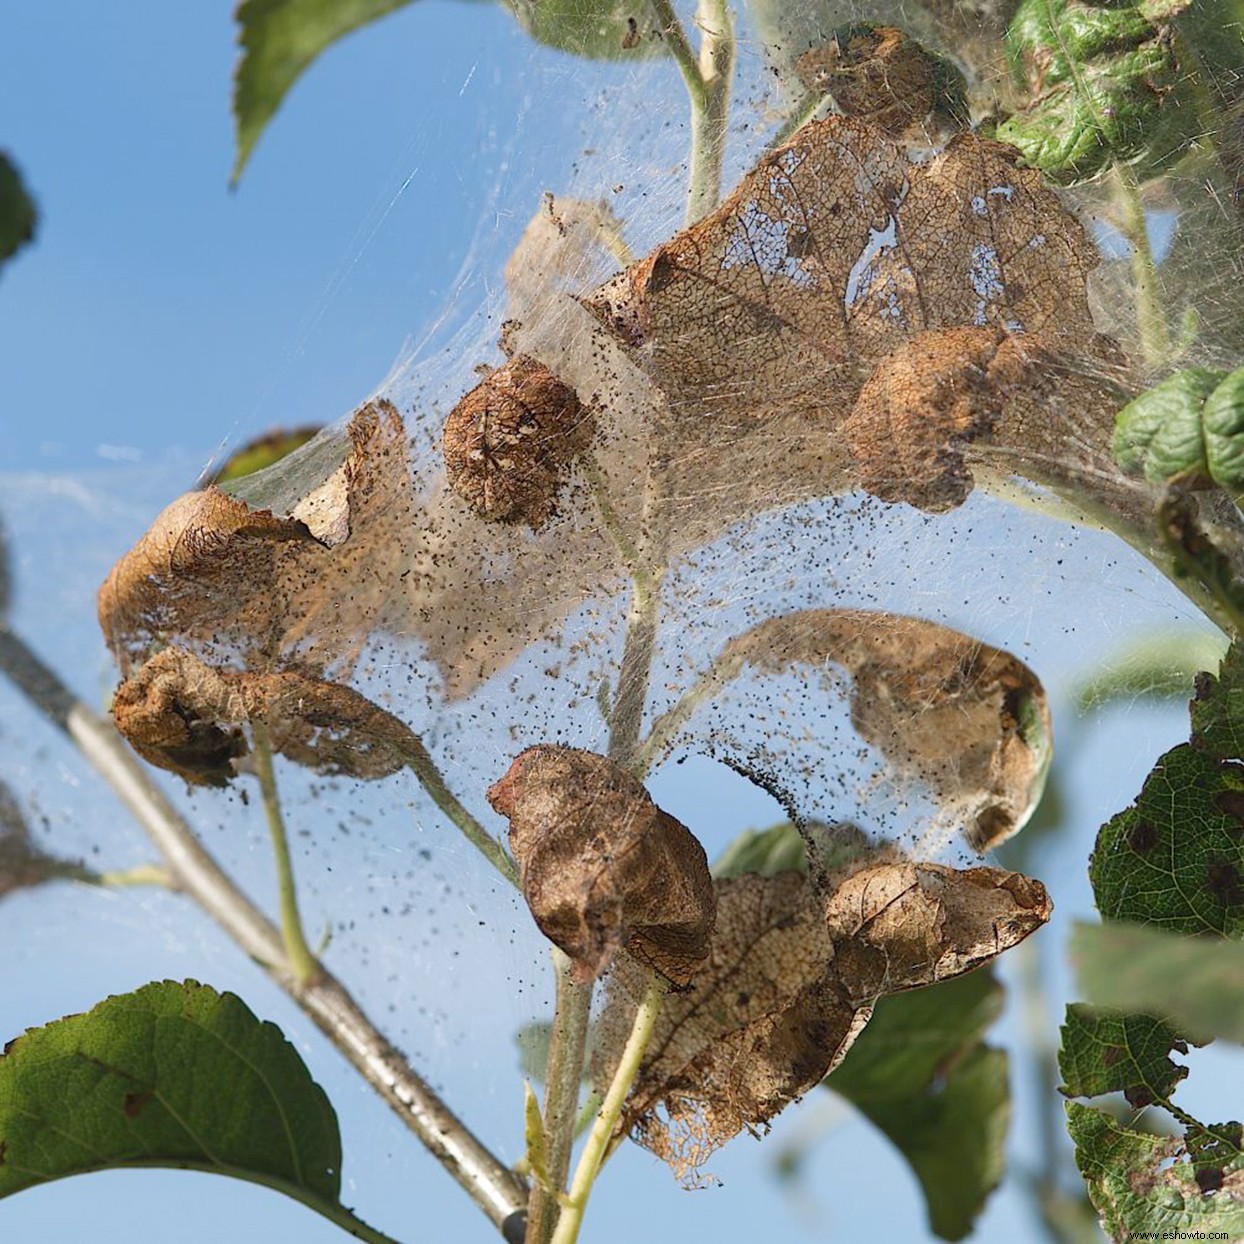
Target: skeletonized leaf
<point>186,716</point>
<point>790,983</point>
<point>838,251</point>
<point>176,1075</point>
<point>601,866</point>
<point>251,583</point>
<point>1141,1183</point>
<point>279,39</point>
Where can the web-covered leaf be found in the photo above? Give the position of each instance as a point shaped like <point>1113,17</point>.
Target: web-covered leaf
<point>838,253</point>
<point>791,980</point>
<point>1139,1182</point>
<point>1102,79</point>
<point>602,867</point>
<point>254,583</point>
<point>966,722</point>
<point>183,715</point>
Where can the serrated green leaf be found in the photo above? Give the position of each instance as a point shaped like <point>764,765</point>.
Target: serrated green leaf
<point>175,1075</point>
<point>17,210</point>
<point>1176,857</point>
<point>920,1073</point>
<point>1218,709</point>
<point>261,453</point>
<point>1103,80</point>
<point>1143,1183</point>
<point>1113,1052</point>
<point>1223,419</point>
<point>279,39</point>
<point>1194,983</point>
<point>1162,666</point>
<point>597,29</point>
<point>766,851</point>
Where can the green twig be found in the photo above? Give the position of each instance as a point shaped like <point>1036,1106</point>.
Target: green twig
<point>419,761</point>
<point>1155,343</point>
<point>722,670</point>
<point>301,962</point>
<point>680,49</point>
<point>141,874</point>
<point>598,1141</point>
<point>710,112</point>
<point>563,1073</point>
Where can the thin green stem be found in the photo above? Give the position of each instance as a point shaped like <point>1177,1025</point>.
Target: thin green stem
<point>812,105</point>
<point>722,670</point>
<point>141,874</point>
<point>1155,343</point>
<point>325,1000</point>
<point>680,49</point>
<point>301,962</point>
<point>634,674</point>
<point>567,1046</point>
<point>598,1141</point>
<point>419,761</point>
<point>711,111</point>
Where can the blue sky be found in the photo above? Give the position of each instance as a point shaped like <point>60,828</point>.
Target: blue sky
<point>161,316</point>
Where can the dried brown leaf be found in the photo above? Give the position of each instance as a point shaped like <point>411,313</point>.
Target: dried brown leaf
<point>254,587</point>
<point>185,716</point>
<point>601,866</point>
<point>790,982</point>
<point>508,441</point>
<point>900,924</point>
<point>876,73</point>
<point>969,720</point>
<point>843,270</point>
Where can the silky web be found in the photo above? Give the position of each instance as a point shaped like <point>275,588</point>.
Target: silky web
<point>491,638</point>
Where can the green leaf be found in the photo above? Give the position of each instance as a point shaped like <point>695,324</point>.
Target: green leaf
<point>1176,857</point>
<point>920,1073</point>
<point>1195,983</point>
<point>1113,1052</point>
<point>172,1075</point>
<point>264,451</point>
<point>599,29</point>
<point>17,211</point>
<point>1218,710</point>
<point>1103,81</point>
<point>769,851</point>
<point>1191,424</point>
<point>1162,666</point>
<point>279,39</point>
<point>1143,1183</point>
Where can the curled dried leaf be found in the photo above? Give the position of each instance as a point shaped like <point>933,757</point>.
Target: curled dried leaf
<point>601,866</point>
<point>899,924</point>
<point>508,442</point>
<point>969,720</point>
<point>251,582</point>
<point>185,716</point>
<point>791,979</point>
<point>882,75</point>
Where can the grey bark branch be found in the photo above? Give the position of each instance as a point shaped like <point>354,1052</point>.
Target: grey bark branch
<point>492,1186</point>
